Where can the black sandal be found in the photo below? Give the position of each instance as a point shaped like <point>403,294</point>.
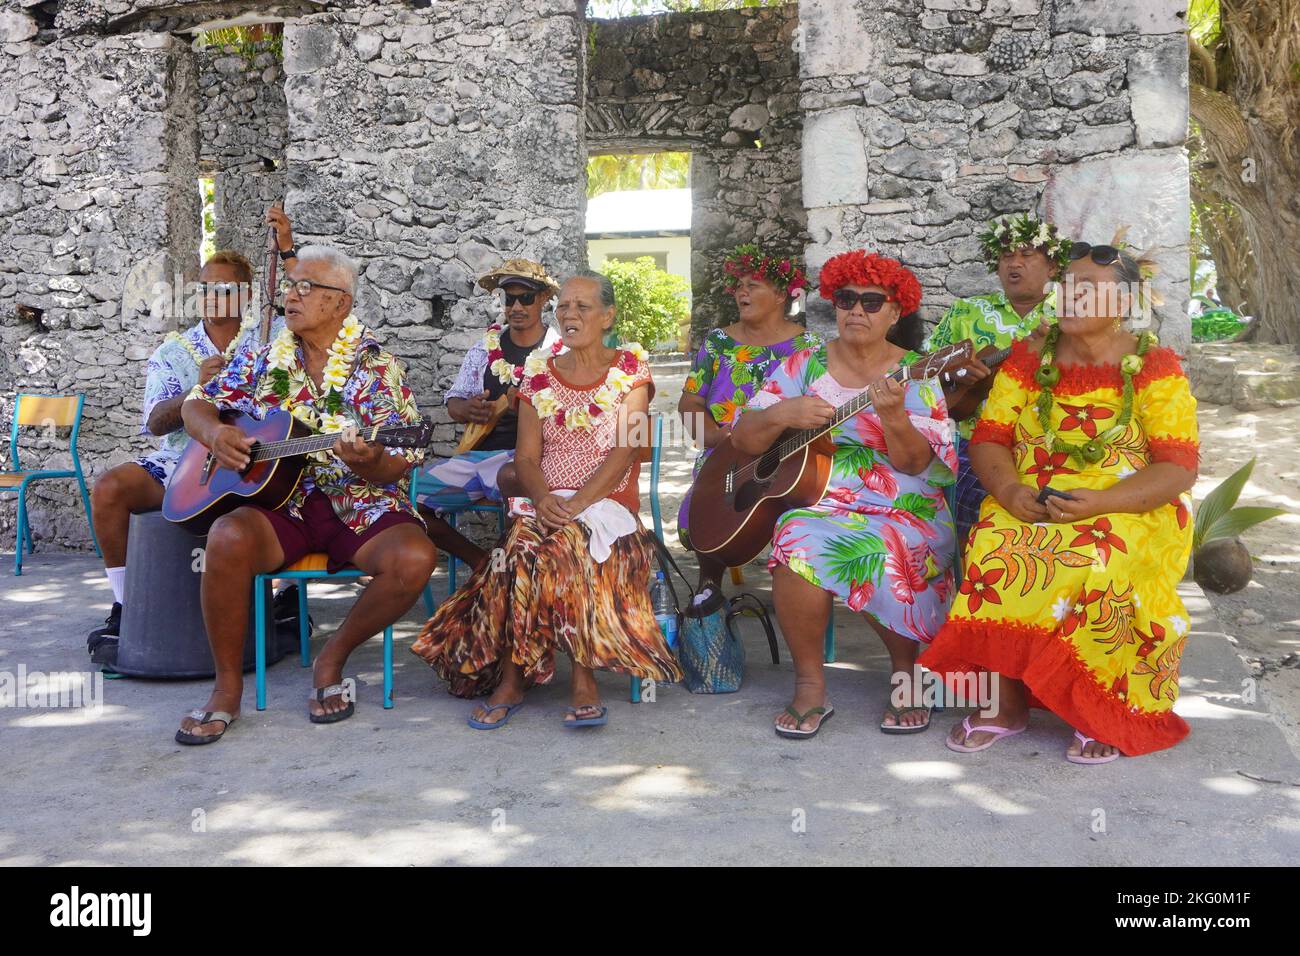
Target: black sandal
<point>204,717</point>
<point>333,690</point>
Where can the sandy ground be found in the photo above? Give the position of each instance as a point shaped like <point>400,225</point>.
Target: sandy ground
<point>1263,620</point>
<point>682,779</point>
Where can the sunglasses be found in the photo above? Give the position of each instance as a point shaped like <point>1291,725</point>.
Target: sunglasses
<point>304,286</point>
<point>872,302</point>
<point>1102,255</point>
<point>527,298</point>
<point>221,288</point>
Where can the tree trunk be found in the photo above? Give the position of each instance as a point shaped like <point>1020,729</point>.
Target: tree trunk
<point>1222,229</point>
<point>1254,175</point>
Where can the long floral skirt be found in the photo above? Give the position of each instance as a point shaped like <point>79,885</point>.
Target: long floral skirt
<point>548,595</point>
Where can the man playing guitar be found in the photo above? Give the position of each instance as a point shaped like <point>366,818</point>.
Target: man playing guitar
<point>330,372</point>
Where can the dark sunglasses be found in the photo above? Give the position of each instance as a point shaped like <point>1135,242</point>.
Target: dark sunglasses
<point>1102,255</point>
<point>221,288</point>
<point>872,302</point>
<point>527,298</point>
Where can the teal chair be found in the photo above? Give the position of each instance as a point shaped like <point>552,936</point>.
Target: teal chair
<point>450,510</point>
<point>42,411</point>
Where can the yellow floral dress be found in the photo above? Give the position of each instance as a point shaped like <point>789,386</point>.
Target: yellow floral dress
<point>1086,613</point>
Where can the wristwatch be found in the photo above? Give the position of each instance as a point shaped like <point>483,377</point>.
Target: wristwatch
<point>290,253</point>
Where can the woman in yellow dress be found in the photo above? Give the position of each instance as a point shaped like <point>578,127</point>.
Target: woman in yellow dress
<point>1088,447</point>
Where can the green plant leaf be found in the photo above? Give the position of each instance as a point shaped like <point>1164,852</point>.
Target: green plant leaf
<point>1219,502</point>
<point>856,559</point>
<point>1237,520</point>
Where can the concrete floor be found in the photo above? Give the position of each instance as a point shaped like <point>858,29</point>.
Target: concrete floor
<point>686,779</point>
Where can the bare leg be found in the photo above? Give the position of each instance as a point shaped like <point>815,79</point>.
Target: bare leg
<point>802,610</point>
<point>446,538</point>
<point>400,560</point>
<point>1012,712</point>
<point>902,659</point>
<point>584,695</point>
<point>509,691</point>
<point>711,571</point>
<point>118,493</point>
<point>240,545</point>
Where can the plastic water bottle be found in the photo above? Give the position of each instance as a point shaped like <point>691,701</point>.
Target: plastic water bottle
<point>665,613</point>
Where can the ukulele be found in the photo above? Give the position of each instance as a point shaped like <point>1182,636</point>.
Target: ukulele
<point>963,398</point>
<point>475,432</point>
<point>738,498</point>
<point>201,491</point>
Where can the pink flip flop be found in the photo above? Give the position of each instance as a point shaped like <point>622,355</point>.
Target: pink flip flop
<point>998,732</point>
<point>1084,740</point>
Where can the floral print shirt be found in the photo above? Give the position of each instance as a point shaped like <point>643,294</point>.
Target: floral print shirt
<point>374,394</point>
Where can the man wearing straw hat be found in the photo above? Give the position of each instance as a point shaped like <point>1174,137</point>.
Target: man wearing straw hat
<point>492,369</point>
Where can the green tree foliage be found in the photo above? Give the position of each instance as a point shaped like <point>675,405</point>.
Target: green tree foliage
<point>616,173</point>
<point>651,302</point>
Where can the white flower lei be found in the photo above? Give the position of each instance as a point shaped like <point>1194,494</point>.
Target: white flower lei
<point>506,373</point>
<point>618,382</point>
<point>338,364</point>
<point>229,352</point>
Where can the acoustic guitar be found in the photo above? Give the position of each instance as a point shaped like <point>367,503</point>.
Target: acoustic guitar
<point>200,491</point>
<point>738,498</point>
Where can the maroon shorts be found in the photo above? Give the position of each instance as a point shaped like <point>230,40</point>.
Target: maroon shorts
<point>319,529</point>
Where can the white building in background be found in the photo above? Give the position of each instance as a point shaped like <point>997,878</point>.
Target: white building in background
<point>641,222</point>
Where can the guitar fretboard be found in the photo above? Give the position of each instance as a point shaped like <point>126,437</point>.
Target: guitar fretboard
<point>305,446</point>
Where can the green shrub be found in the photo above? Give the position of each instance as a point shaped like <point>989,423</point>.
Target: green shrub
<point>651,303</point>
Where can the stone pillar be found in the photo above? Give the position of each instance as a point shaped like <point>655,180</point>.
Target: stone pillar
<point>98,216</point>
<point>431,144</point>
<point>925,119</point>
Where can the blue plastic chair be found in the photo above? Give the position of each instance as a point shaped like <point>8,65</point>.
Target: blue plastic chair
<point>450,510</point>
<point>43,411</point>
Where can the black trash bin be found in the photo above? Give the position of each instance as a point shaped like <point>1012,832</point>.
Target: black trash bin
<point>162,633</point>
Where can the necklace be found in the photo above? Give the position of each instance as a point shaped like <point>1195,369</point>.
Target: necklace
<point>506,373</point>
<point>1047,375</point>
<point>227,354</point>
<point>618,382</point>
<point>288,376</point>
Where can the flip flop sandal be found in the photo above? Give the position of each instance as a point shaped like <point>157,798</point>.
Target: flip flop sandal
<point>488,711</point>
<point>794,733</point>
<point>333,690</point>
<point>599,720</point>
<point>203,717</point>
<point>1084,740</point>
<point>997,732</point>
<point>898,713</point>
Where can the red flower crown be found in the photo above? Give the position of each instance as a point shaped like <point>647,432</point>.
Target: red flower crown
<point>860,267</point>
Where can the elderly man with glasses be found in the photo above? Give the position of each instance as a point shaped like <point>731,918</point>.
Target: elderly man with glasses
<point>184,359</point>
<point>352,503</point>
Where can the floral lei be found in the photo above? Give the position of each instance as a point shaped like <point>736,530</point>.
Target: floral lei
<point>618,382</point>
<point>1007,233</point>
<point>1047,375</point>
<point>283,359</point>
<point>227,355</point>
<point>506,373</point>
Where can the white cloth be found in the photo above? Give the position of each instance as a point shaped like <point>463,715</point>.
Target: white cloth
<point>607,520</point>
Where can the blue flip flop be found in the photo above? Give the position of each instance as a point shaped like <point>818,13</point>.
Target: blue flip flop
<point>586,721</point>
<point>489,709</point>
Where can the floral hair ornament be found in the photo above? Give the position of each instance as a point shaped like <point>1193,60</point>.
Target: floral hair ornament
<point>860,267</point>
<point>749,260</point>
<point>1016,232</point>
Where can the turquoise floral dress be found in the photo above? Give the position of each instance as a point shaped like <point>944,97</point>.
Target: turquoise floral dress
<point>880,540</point>
<point>727,374</point>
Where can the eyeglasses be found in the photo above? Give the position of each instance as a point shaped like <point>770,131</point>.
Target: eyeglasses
<point>222,288</point>
<point>304,286</point>
<point>527,298</point>
<point>872,302</point>
<point>1107,256</point>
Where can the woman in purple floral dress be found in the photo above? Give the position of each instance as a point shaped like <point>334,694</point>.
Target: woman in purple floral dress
<point>733,363</point>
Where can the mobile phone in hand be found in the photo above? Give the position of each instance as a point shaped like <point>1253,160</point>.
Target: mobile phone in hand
<point>1049,491</point>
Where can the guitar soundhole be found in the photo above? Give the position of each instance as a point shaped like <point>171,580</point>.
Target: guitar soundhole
<point>765,468</point>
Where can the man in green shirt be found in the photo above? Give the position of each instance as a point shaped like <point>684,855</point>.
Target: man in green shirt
<point>1027,255</point>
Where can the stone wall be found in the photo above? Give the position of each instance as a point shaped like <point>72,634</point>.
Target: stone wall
<point>719,85</point>
<point>932,117</point>
<point>243,125</point>
<point>431,144</point>
<point>98,159</point>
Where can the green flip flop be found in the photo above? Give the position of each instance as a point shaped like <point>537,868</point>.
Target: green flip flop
<point>794,733</point>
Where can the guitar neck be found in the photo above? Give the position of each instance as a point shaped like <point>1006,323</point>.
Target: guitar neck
<point>312,443</point>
